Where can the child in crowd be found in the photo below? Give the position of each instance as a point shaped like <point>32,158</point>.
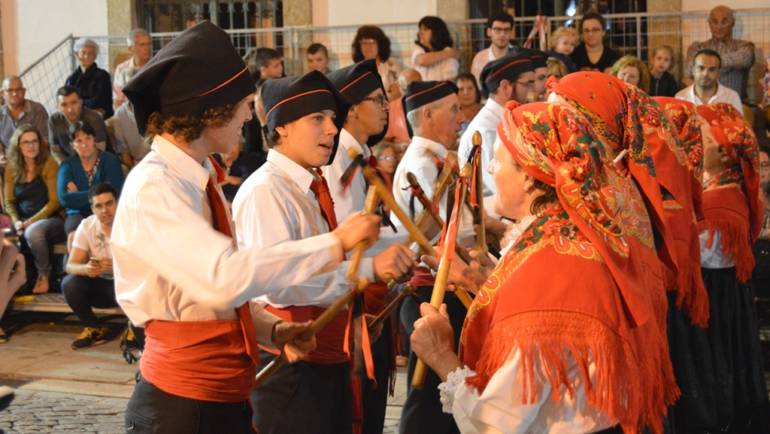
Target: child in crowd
<point>562,43</point>
<point>662,83</point>
<point>318,58</point>
<point>765,83</point>
<point>632,70</point>
<point>556,68</point>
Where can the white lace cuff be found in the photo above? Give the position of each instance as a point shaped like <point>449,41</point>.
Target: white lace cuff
<point>448,388</point>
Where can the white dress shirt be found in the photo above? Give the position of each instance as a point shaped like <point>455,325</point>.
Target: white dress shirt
<point>499,409</point>
<point>446,69</point>
<point>171,264</point>
<point>276,205</point>
<point>485,122</point>
<point>419,160</point>
<point>351,199</point>
<point>724,94</point>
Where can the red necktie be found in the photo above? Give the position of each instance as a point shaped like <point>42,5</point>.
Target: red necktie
<point>321,191</point>
<point>222,224</point>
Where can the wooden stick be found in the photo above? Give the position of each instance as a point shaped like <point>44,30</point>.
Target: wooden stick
<point>439,285</point>
<point>445,178</point>
<point>382,316</point>
<point>370,206</point>
<point>480,226</point>
<point>414,232</point>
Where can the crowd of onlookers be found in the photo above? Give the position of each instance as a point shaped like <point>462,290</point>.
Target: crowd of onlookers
<point>63,172</point>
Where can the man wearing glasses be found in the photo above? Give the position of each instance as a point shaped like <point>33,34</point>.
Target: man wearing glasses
<point>500,32</point>
<point>737,55</point>
<point>591,54</point>
<point>18,110</point>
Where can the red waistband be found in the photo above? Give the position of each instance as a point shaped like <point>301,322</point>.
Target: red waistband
<point>375,297</point>
<point>422,277</point>
<point>203,360</point>
<point>330,341</point>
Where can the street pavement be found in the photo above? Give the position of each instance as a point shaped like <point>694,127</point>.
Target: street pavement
<point>59,390</point>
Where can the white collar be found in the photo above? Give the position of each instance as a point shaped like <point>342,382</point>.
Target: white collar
<point>185,165</point>
<point>494,107</point>
<point>347,141</point>
<point>427,144</point>
<point>301,176</point>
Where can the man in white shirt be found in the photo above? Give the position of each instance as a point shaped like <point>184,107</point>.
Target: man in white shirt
<point>508,78</point>
<point>706,88</point>
<point>89,281</point>
<point>178,272</point>
<point>432,109</point>
<point>140,46</point>
<point>288,199</point>
<point>500,32</point>
<point>361,86</point>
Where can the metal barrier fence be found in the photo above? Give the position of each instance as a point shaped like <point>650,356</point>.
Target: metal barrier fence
<point>634,34</point>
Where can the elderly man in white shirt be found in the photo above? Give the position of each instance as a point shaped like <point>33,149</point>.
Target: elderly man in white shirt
<point>177,269</point>
<point>706,88</point>
<point>508,78</point>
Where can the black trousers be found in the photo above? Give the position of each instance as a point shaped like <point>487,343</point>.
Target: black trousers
<point>422,411</point>
<point>304,398</point>
<point>82,293</point>
<point>153,411</point>
<point>375,396</point>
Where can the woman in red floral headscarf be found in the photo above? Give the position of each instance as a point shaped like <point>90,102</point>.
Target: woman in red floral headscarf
<point>564,334</point>
<point>645,143</point>
<point>732,219</point>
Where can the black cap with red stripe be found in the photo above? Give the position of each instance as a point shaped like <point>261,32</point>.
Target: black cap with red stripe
<point>290,98</point>
<point>420,93</point>
<point>508,67</point>
<point>356,82</point>
<point>198,70</point>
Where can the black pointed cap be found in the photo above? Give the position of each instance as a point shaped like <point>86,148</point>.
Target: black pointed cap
<point>505,68</point>
<point>420,93</point>
<point>196,71</point>
<point>356,82</point>
<point>290,98</point>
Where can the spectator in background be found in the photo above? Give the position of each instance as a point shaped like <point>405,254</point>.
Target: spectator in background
<point>60,124</point>
<point>18,110</point>
<point>269,63</point>
<point>737,55</point>
<point>764,83</point>
<point>387,160</point>
<point>318,58</point>
<point>706,87</point>
<point>93,84</point>
<point>140,46</point>
<point>631,70</point>
<point>500,32</point>
<point>264,63</point>
<point>130,146</point>
<point>89,281</point>
<point>78,173</point>
<point>469,96</point>
<point>398,132</point>
<point>591,54</point>
<point>540,69</point>
<point>434,58</point>
<point>30,199</point>
<point>371,42</point>
<point>562,43</point>
<point>556,68</point>
<point>238,165</point>
<point>12,277</point>
<point>662,83</point>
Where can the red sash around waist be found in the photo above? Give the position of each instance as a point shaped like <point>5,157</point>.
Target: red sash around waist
<point>202,360</point>
<point>422,277</point>
<point>330,341</point>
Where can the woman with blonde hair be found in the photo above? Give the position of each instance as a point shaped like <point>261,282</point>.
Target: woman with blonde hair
<point>31,199</point>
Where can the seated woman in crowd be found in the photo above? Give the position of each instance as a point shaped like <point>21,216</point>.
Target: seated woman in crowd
<point>93,83</point>
<point>12,277</point>
<point>540,348</point>
<point>469,96</point>
<point>78,173</point>
<point>371,42</point>
<point>434,58</point>
<point>632,70</point>
<point>31,200</point>
<point>592,54</point>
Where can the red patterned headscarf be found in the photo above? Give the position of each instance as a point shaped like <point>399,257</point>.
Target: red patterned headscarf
<point>582,284</point>
<point>738,217</point>
<point>627,119</point>
<point>688,281</point>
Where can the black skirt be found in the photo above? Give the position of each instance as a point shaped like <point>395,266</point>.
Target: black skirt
<point>719,369</point>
